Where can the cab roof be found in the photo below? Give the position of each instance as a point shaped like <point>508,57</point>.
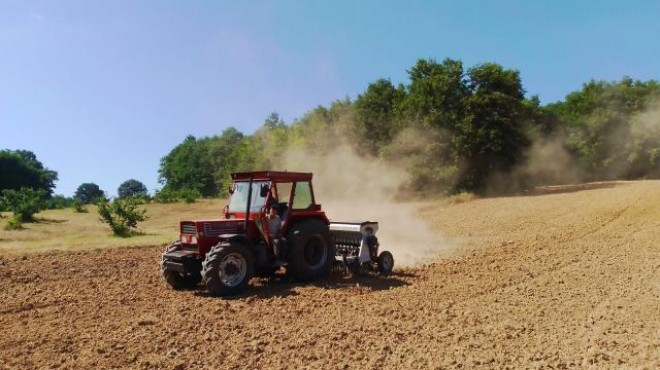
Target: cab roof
<point>272,176</point>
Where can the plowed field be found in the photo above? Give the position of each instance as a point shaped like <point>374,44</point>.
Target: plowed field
<point>568,277</point>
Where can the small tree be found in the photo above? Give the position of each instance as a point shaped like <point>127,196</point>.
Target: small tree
<point>132,188</point>
<point>122,215</point>
<point>23,204</point>
<point>78,206</point>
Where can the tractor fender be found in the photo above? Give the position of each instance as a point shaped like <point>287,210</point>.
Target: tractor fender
<point>242,240</point>
<point>290,224</point>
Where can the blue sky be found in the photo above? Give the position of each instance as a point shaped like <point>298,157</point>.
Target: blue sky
<point>100,91</point>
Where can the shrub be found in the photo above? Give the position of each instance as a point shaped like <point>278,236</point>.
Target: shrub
<point>122,215</point>
<point>24,203</point>
<point>78,206</point>
<point>14,223</point>
<point>59,202</point>
<point>189,195</point>
<point>167,195</point>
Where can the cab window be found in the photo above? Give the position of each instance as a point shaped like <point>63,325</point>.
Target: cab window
<point>238,200</point>
<point>284,192</point>
<point>303,198</point>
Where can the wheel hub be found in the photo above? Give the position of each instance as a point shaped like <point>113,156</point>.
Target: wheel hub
<point>315,253</point>
<point>233,269</point>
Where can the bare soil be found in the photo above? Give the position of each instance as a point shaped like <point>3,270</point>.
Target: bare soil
<point>568,277</point>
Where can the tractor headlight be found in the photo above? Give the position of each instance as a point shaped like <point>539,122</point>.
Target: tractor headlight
<point>188,239</point>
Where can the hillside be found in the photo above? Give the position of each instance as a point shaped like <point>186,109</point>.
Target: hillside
<point>567,277</point>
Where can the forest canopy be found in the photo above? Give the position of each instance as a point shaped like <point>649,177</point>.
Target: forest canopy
<point>453,129</point>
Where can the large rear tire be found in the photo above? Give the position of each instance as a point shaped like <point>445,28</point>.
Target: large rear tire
<point>311,253</point>
<point>178,280</point>
<point>227,269</point>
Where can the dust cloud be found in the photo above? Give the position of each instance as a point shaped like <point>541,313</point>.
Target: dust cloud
<point>356,188</point>
<point>628,150</point>
<point>647,123</point>
<point>548,163</point>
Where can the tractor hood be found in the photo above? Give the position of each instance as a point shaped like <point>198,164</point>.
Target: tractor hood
<point>212,228</point>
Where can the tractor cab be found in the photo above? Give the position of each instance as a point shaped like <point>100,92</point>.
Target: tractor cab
<point>290,193</point>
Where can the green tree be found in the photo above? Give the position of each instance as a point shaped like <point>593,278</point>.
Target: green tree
<point>88,193</point>
<point>189,166</point>
<point>21,169</point>
<point>375,115</point>
<point>492,136</point>
<point>230,152</point>
<point>601,131</point>
<point>323,129</point>
<point>132,188</point>
<point>273,122</point>
<point>436,94</point>
<point>204,165</point>
<point>269,142</point>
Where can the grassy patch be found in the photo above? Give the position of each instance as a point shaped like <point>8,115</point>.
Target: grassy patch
<point>67,230</point>
<point>462,197</point>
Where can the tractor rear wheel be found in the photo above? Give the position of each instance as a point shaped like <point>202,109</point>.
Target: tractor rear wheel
<point>227,269</point>
<point>178,280</point>
<point>311,253</point>
<point>385,263</point>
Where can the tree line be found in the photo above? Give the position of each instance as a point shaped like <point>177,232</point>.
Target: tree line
<point>26,188</point>
<point>454,129</point>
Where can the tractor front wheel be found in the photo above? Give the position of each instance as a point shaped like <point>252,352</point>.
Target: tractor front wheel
<point>178,280</point>
<point>227,269</point>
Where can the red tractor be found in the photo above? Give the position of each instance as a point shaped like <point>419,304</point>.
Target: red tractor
<point>226,253</point>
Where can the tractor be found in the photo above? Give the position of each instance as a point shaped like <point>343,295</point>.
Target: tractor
<point>224,254</point>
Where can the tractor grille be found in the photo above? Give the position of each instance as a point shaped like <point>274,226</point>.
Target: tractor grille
<point>221,227</point>
<point>188,228</point>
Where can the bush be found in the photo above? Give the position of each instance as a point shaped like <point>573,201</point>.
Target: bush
<point>122,215</point>
<point>167,195</point>
<point>14,223</point>
<point>189,195</point>
<point>24,203</point>
<point>78,206</point>
<point>59,202</point>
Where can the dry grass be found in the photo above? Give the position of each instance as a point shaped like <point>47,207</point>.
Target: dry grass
<point>67,230</point>
<point>462,197</point>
